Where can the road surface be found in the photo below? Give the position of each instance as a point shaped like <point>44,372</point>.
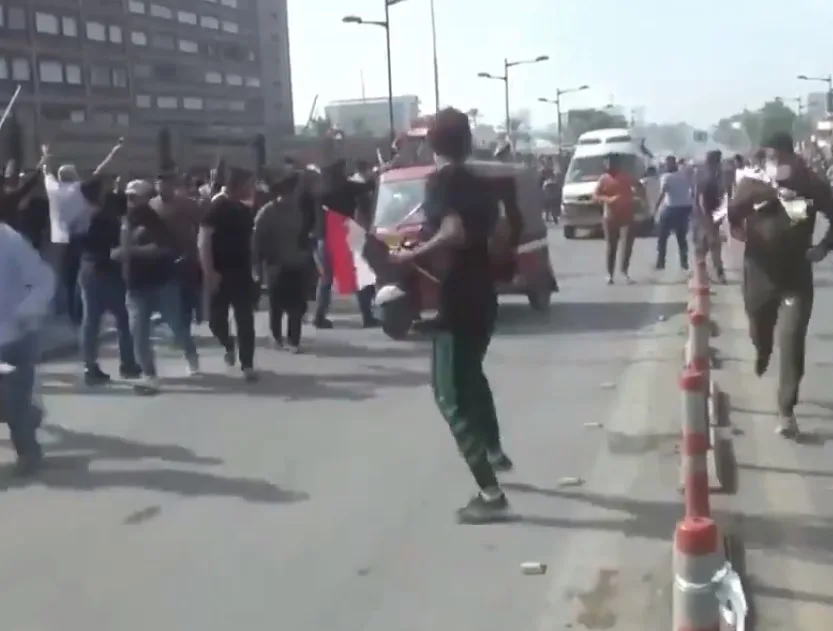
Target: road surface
<point>323,497</point>
<point>783,513</point>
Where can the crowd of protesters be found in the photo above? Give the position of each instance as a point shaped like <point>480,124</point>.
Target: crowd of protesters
<point>171,247</point>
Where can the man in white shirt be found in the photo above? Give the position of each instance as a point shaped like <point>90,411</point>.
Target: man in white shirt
<point>70,211</point>
<point>27,285</point>
<point>676,202</point>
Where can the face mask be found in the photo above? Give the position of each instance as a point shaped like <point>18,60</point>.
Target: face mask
<point>777,171</point>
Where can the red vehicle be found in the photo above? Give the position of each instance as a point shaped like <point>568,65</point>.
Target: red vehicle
<point>523,268</point>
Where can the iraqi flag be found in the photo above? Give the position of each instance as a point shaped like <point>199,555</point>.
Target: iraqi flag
<point>345,241</point>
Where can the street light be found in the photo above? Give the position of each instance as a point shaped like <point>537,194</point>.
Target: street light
<point>829,81</point>
<point>505,78</point>
<point>557,102</point>
<point>385,24</point>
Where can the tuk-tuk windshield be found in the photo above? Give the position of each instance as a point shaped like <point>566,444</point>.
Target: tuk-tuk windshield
<point>396,200</point>
<point>591,168</point>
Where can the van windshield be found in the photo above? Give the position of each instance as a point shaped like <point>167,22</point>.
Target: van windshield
<point>396,200</point>
<point>591,168</point>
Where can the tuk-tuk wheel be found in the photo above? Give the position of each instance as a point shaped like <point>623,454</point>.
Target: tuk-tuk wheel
<point>540,299</point>
<point>569,232</point>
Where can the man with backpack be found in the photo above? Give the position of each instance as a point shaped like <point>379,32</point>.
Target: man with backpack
<point>710,192</point>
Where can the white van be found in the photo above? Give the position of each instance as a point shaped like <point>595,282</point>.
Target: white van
<point>578,210</point>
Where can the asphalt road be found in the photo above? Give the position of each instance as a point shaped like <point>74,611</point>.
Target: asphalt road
<point>323,497</point>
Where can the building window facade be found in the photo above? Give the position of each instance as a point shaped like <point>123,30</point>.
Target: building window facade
<point>187,17</point>
<point>137,7</point>
<point>51,72</point>
<point>21,70</point>
<point>160,11</point>
<point>47,23</point>
<point>96,32</point>
<point>167,102</point>
<point>138,38</point>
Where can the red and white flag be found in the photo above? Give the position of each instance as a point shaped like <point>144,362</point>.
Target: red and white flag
<point>345,241</point>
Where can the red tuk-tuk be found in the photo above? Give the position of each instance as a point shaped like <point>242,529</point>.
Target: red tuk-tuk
<point>523,268</point>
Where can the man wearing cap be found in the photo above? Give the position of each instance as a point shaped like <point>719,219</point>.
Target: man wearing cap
<point>775,209</point>
<point>149,252</point>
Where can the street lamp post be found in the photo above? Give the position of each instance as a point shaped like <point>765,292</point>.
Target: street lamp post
<point>557,102</point>
<point>829,81</point>
<point>385,24</point>
<point>505,78</point>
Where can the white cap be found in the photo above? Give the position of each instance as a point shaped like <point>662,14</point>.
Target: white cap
<point>67,173</point>
<point>141,188</point>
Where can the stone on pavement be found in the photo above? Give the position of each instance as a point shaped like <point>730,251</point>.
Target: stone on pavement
<point>323,497</point>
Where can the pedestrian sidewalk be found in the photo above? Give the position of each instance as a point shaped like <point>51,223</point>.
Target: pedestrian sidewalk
<point>782,513</point>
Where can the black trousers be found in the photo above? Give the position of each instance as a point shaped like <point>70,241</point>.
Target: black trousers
<point>791,313</point>
<point>464,398</point>
<point>287,297</point>
<point>236,292</point>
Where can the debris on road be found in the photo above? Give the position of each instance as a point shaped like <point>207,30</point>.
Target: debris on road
<point>532,568</point>
<point>563,482</point>
<point>593,425</point>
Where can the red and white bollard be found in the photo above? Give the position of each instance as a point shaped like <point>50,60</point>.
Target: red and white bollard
<point>697,561</point>
<point>694,471</point>
<point>698,346</point>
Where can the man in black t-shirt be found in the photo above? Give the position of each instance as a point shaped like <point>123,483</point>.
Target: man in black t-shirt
<point>102,288</point>
<point>225,247</point>
<point>462,214</point>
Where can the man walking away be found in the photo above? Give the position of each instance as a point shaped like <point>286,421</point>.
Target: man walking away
<point>462,214</point>
<point>182,215</point>
<point>617,191</point>
<point>225,246</point>
<point>777,211</point>
<point>280,253</point>
<point>27,286</point>
<point>675,201</point>
<point>710,193</point>
<point>148,252</point>
<point>101,282</point>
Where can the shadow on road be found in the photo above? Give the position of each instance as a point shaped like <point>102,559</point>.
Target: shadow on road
<point>71,456</point>
<point>806,537</point>
<point>360,385</point>
<point>584,317</point>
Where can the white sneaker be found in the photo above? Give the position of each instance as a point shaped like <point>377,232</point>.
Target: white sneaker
<point>146,386</point>
<point>194,368</point>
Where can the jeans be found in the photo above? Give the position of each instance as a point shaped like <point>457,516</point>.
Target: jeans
<point>324,289</point>
<point>102,292</point>
<point>191,292</point>
<point>166,301</point>
<point>236,292</point>
<point>615,230</point>
<point>16,394</point>
<point>673,219</point>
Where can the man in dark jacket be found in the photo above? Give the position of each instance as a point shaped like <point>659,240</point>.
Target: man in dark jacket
<point>775,209</point>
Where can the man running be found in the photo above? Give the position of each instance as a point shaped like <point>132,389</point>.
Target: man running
<point>462,216</point>
<point>777,211</point>
<point>225,248</point>
<point>710,193</point>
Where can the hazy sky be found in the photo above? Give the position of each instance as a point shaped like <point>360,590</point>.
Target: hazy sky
<point>679,60</point>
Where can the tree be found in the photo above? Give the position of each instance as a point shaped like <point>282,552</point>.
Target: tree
<point>474,116</point>
<point>320,126</point>
<point>775,117</point>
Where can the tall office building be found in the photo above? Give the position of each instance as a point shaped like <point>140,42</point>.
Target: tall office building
<point>215,73</point>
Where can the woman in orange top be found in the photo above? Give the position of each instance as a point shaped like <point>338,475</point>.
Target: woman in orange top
<point>618,191</point>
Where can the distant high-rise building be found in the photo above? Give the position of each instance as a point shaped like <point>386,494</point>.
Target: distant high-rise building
<point>817,105</point>
<point>371,117</point>
<point>214,73</point>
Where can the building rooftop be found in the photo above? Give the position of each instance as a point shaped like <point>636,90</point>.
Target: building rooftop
<point>373,101</point>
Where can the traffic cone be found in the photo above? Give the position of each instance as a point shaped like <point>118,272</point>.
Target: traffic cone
<point>694,470</point>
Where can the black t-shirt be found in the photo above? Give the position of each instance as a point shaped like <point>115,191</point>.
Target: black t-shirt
<point>146,228</point>
<point>468,297</point>
<point>231,243</point>
<point>104,233</point>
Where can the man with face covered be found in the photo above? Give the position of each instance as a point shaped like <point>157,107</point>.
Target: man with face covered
<point>775,209</point>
